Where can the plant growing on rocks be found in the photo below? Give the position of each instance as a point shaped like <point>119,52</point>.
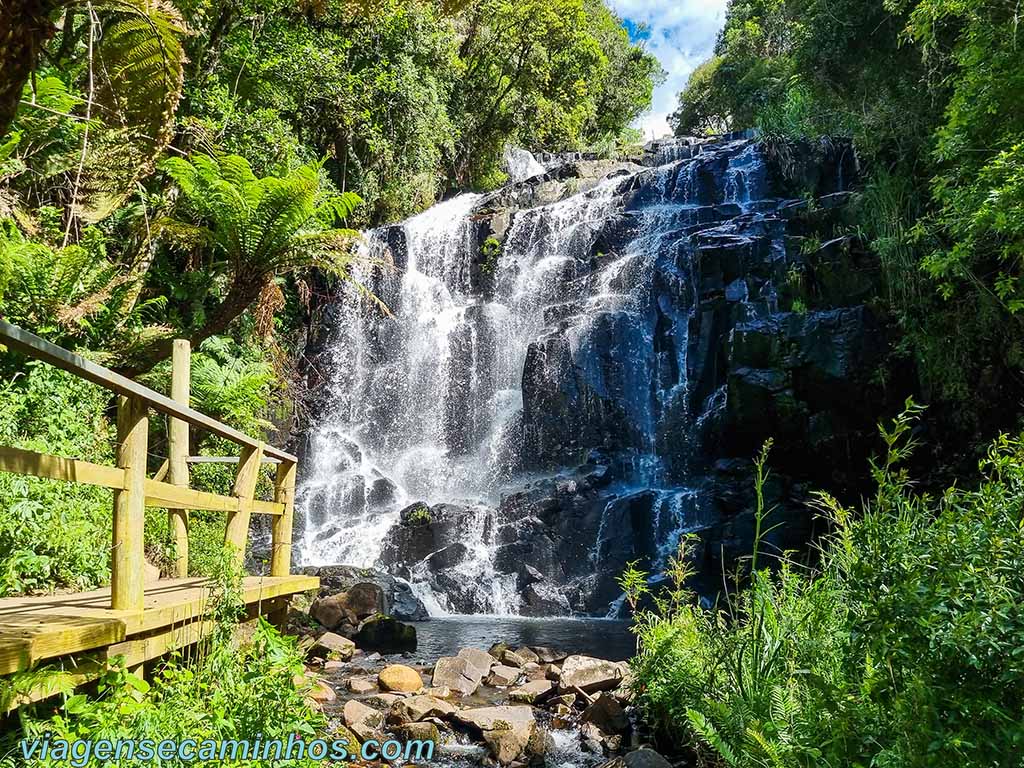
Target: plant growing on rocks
<point>902,648</point>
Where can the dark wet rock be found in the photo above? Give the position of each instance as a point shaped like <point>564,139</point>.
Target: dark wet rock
<point>640,758</point>
<point>399,601</point>
<point>386,635</point>
<point>607,714</point>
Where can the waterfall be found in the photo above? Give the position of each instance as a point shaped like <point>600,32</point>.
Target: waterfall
<point>543,384</point>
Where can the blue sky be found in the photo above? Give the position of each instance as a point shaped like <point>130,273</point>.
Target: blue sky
<point>681,33</point>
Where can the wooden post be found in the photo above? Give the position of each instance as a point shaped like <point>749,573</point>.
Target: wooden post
<point>177,453</point>
<point>284,493</point>
<point>237,530</point>
<point>127,567</point>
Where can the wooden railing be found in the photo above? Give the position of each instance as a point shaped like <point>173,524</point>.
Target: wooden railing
<point>134,490</point>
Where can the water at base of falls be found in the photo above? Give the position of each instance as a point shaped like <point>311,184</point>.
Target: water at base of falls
<point>538,400</point>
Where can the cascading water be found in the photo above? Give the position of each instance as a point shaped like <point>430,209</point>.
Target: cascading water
<point>532,413</point>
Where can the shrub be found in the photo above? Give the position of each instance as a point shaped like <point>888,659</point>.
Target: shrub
<point>903,649</point>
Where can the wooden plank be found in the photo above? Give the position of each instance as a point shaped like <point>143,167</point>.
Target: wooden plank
<point>137,651</point>
<point>33,629</point>
<point>127,566</point>
<point>226,460</point>
<point>22,462</point>
<point>237,530</point>
<point>177,451</point>
<point>167,495</point>
<point>40,349</point>
<point>281,533</point>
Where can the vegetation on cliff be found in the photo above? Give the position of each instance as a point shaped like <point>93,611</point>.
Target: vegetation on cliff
<point>900,647</point>
<point>930,90</point>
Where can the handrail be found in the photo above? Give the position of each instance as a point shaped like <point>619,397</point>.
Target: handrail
<point>134,490</point>
<point>40,349</point>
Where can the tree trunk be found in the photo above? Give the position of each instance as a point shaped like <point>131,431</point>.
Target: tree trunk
<point>240,297</point>
<point>24,30</point>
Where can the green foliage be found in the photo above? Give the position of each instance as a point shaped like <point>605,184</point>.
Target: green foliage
<point>221,690</point>
<point>53,534</point>
<point>903,649</point>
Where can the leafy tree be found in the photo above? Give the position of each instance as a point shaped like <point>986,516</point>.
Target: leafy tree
<point>247,230</point>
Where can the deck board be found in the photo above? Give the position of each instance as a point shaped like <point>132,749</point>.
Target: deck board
<point>33,629</point>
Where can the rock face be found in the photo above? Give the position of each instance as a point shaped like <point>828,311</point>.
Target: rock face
<point>608,344</point>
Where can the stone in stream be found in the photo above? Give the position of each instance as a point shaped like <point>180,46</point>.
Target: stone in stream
<point>534,671</point>
<point>398,677</point>
<point>361,685</point>
<point>416,708</point>
<point>383,700</point>
<point>502,675</point>
<point>589,674</point>
<point>549,655</point>
<point>497,650</point>
<point>552,671</point>
<point>513,659</point>
<point>527,655</point>
<point>507,731</point>
<point>345,610</point>
<point>419,732</point>
<point>456,673</point>
<point>482,660</point>
<point>321,692</point>
<point>365,722</point>
<point>386,635</point>
<point>333,647</point>
<point>532,692</point>
<point>607,714</point>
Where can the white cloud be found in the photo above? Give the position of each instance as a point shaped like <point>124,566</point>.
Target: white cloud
<point>682,35</point>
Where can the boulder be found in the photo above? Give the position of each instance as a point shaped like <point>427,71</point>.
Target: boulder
<point>502,675</point>
<point>386,635</point>
<point>419,732</point>
<point>399,600</point>
<point>527,655</point>
<point>333,647</point>
<point>531,692</point>
<point>513,659</point>
<point>497,650</point>
<point>382,700</point>
<point>416,708</point>
<point>589,674</point>
<point>321,692</point>
<point>535,671</point>
<point>507,731</point>
<point>361,685</point>
<point>482,660</point>
<point>548,655</point>
<point>398,677</point>
<point>456,673</point>
<point>364,721</point>
<point>607,714</point>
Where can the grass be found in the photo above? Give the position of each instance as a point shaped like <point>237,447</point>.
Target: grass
<point>904,647</point>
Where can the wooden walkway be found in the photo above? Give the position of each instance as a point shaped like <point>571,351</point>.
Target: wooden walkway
<point>36,629</point>
<point>132,619</point>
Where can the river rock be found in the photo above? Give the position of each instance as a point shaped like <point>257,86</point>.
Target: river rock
<point>607,714</point>
<point>513,659</point>
<point>416,708</point>
<point>482,660</point>
<point>456,673</point>
<point>382,700</point>
<point>502,675</point>
<point>527,655</point>
<point>364,721</point>
<point>361,685</point>
<point>548,655</point>
<point>333,647</point>
<point>507,731</point>
<point>419,732</point>
<point>531,692</point>
<point>386,635</point>
<point>399,600</point>
<point>589,674</point>
<point>400,678</point>
<point>321,692</point>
